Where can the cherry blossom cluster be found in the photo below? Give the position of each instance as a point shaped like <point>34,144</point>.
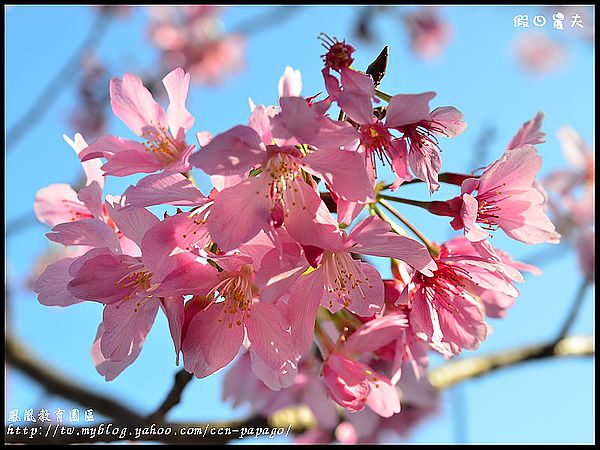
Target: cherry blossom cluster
<point>191,36</point>
<point>274,261</point>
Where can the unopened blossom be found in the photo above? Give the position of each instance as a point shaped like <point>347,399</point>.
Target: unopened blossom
<point>429,33</point>
<point>506,198</point>
<point>164,147</point>
<point>339,281</point>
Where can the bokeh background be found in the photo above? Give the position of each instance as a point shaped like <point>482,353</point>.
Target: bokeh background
<point>478,72</point>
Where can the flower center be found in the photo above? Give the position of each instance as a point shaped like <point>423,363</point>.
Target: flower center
<point>376,140</point>
<point>283,170</point>
<point>446,282</point>
<point>237,292</point>
<point>339,54</point>
<point>344,277</point>
<point>160,143</point>
<point>487,212</point>
<point>137,283</point>
<point>422,134</point>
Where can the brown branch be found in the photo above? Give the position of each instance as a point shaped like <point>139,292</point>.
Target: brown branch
<point>298,419</point>
<point>19,357</point>
<point>182,378</point>
<point>461,370</point>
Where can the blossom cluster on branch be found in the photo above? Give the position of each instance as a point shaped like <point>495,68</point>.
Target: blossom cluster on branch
<point>262,263</point>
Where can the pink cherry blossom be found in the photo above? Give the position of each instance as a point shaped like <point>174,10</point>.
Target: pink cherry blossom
<point>278,193</point>
<point>538,54</point>
<point>409,114</point>
<point>339,281</point>
<point>129,286</point>
<point>165,147</point>
<point>507,199</point>
<point>429,33</point>
<point>190,36</point>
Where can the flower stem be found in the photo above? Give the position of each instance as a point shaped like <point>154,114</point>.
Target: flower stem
<point>409,225</point>
<point>382,95</point>
<point>424,205</point>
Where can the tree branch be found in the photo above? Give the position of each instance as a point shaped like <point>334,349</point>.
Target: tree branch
<point>19,357</point>
<point>298,419</point>
<point>64,76</point>
<point>461,370</point>
<point>182,378</point>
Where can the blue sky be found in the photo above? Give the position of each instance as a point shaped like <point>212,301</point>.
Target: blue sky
<point>548,401</point>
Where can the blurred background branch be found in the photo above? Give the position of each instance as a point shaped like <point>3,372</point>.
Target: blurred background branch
<point>298,418</point>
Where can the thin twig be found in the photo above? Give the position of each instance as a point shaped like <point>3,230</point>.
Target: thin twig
<point>461,370</point>
<point>20,357</point>
<point>61,80</point>
<point>408,225</point>
<point>577,302</point>
<point>182,378</point>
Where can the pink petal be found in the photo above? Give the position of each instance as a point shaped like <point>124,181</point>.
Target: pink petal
<point>240,212</point>
<point>51,286</point>
<point>126,325</point>
<point>290,83</point>
<point>132,222</point>
<point>92,169</point>
<point>383,398</point>
<point>450,119</point>
<point>131,162</point>
<point>58,203</point>
<point>210,344</point>
<point>529,134</point>
<point>405,109</point>
<point>260,121</point>
<point>366,301</point>
<point>514,170</point>
<point>177,83</point>
<point>98,277</point>
<point>303,304</point>
<point>356,96</point>
<point>308,220</point>
<point>377,333</point>
<point>163,189</point>
<point>91,196</point>
<point>192,278</point>
<point>110,369</point>
<point>173,308</point>
<point>343,171</point>
<point>274,379</point>
<point>165,245</point>
<point>233,152</point>
<point>425,162</point>
<point>133,104</point>
<point>468,215</point>
<point>373,237</point>
<point>92,232</point>
<point>268,332</point>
